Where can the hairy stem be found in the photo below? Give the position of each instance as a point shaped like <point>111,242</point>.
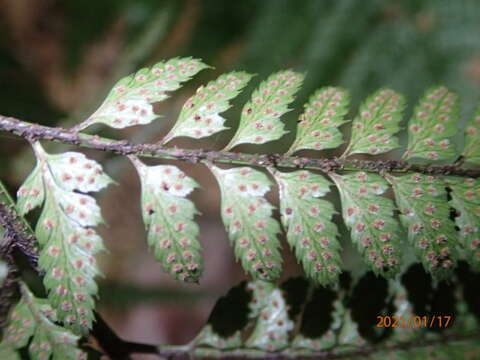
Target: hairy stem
<point>38,132</point>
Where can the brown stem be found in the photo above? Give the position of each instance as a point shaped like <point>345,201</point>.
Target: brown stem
<point>32,131</point>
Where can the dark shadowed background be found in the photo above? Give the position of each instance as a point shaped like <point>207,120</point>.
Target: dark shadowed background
<point>58,59</point>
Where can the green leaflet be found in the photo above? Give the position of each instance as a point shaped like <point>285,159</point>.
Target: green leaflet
<point>318,126</point>
<point>271,332</point>
<point>168,217</point>
<point>465,193</point>
<point>260,121</point>
<point>129,102</point>
<point>64,230</point>
<point>7,352</point>
<point>369,216</point>
<point>434,120</point>
<point>34,318</point>
<point>248,219</point>
<point>422,201</point>
<point>200,114</point>
<point>307,220</point>
<point>471,152</point>
<point>374,128</point>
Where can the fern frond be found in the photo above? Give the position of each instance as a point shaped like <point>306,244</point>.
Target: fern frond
<point>64,230</point>
<point>129,102</point>
<point>247,216</point>
<point>307,220</point>
<point>318,125</point>
<point>369,216</point>
<point>34,318</point>
<point>465,200</point>
<point>273,324</point>
<point>373,130</point>
<point>260,121</point>
<point>471,152</point>
<point>434,121</point>
<point>168,217</point>
<point>422,201</point>
<point>200,114</point>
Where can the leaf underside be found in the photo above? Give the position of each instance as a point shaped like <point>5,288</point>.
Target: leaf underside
<point>247,216</point>
<point>260,120</point>
<point>64,230</point>
<point>435,119</point>
<point>60,184</point>
<point>168,217</point>
<point>307,220</point>
<point>200,114</point>
<point>33,318</point>
<point>129,102</point>
<point>465,194</point>
<point>318,125</point>
<point>369,216</point>
<point>373,130</point>
<point>422,201</point>
<point>471,152</point>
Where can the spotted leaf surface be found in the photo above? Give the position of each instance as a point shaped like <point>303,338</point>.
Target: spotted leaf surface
<point>168,216</point>
<point>471,152</point>
<point>33,318</point>
<point>260,121</point>
<point>465,194</point>
<point>422,201</point>
<point>369,216</point>
<point>434,120</point>
<point>307,220</point>
<point>247,216</point>
<point>200,115</point>
<point>64,230</point>
<point>273,325</point>
<point>374,128</point>
<point>8,352</point>
<point>129,102</point>
<point>324,114</point>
